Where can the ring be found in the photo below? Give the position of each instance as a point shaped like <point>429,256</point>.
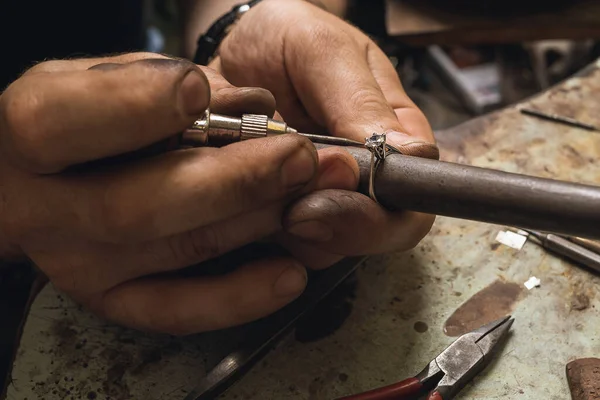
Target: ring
<point>379,149</point>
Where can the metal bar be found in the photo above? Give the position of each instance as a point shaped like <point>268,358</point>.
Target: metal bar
<point>589,244</point>
<point>568,249</point>
<point>558,118</point>
<point>479,194</point>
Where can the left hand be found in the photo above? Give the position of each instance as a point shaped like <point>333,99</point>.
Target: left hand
<point>327,76</point>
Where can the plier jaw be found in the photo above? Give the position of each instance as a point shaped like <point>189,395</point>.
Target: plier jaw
<point>451,370</point>
<point>469,355</point>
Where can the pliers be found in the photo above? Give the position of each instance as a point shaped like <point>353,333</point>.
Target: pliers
<point>451,370</point>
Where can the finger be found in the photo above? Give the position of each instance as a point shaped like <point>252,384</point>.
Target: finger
<point>338,169</point>
<point>311,256</point>
<point>98,266</point>
<point>109,264</point>
<point>51,121</point>
<point>213,240</point>
<point>180,191</point>
<point>235,101</point>
<point>185,306</point>
<point>276,80</point>
<point>417,138</point>
<point>81,64</point>
<point>408,114</point>
<point>346,96</point>
<point>225,98</point>
<point>349,223</point>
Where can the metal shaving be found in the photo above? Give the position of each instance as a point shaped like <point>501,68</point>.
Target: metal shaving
<point>532,282</point>
<point>511,239</point>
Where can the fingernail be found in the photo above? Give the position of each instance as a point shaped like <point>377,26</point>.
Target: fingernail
<point>412,146</point>
<point>193,93</point>
<point>314,231</point>
<point>166,62</point>
<point>299,168</point>
<point>106,66</point>
<point>292,281</point>
<point>248,100</point>
<point>338,175</point>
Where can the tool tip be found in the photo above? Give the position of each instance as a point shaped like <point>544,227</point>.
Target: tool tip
<point>492,333</point>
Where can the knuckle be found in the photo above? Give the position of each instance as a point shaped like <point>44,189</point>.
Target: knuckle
<point>197,245</point>
<point>372,106</point>
<point>257,174</point>
<point>369,100</point>
<point>243,185</point>
<point>23,116</point>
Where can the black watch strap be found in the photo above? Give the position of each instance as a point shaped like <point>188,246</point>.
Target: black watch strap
<point>209,42</point>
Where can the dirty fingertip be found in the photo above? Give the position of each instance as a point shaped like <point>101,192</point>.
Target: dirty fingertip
<point>105,67</point>
<point>243,100</point>
<point>194,93</point>
<point>291,282</point>
<point>337,170</point>
<point>412,146</point>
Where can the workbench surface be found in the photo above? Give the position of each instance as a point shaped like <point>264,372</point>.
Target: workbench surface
<point>399,307</point>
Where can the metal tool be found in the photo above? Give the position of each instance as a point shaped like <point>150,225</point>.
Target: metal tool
<point>593,245</point>
<point>451,370</point>
<point>567,248</point>
<point>267,332</point>
<point>559,118</point>
<point>437,187</point>
<point>219,130</point>
<point>480,194</point>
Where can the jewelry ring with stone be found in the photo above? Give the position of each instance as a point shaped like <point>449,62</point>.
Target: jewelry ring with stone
<point>379,149</point>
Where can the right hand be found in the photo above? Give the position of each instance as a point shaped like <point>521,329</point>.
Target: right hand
<point>101,235</point>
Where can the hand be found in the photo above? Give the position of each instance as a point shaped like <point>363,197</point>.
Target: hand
<point>102,235</point>
<point>327,76</point>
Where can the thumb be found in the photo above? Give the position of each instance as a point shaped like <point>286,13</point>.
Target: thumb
<point>54,120</point>
<point>412,146</point>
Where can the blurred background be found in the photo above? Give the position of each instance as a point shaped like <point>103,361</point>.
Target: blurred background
<point>459,58</point>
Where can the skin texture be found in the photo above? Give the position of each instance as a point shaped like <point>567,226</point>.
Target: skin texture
<point>98,234</point>
<point>328,77</point>
<point>101,234</point>
<point>198,15</point>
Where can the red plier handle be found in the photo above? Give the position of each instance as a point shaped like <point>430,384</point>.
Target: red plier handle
<point>408,389</point>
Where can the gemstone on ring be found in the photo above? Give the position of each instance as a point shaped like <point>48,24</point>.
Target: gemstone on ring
<point>375,141</point>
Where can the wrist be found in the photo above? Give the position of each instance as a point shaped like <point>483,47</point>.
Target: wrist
<point>210,40</point>
<point>204,38</point>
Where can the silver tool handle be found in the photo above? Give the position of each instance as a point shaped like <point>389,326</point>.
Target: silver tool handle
<point>573,251</point>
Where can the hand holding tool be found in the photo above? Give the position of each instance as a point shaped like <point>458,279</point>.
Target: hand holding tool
<point>429,186</point>
<point>220,130</point>
<point>450,371</point>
